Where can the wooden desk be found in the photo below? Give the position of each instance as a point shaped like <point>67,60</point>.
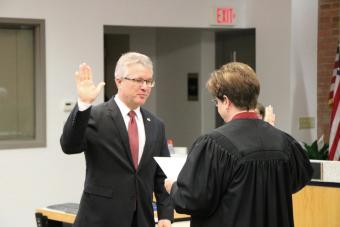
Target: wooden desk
<point>56,218</point>
<point>318,204</point>
<point>56,215</point>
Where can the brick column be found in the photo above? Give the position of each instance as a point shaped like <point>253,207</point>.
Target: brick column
<point>328,36</point>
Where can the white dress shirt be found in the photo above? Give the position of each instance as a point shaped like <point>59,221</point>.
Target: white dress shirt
<point>124,111</point>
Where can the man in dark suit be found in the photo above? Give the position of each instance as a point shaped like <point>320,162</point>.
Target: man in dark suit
<point>119,140</point>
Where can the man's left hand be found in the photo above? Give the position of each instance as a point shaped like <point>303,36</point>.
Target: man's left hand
<point>164,223</point>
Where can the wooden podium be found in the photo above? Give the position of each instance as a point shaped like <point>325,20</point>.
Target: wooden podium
<point>317,204</point>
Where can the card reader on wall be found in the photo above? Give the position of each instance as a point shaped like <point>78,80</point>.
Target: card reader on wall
<point>68,106</point>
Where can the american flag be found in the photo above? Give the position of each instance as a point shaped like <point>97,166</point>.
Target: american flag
<point>334,100</point>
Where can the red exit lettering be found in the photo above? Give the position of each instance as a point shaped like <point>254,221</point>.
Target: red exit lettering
<point>225,15</point>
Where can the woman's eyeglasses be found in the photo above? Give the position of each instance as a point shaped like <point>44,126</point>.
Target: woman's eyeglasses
<point>215,101</point>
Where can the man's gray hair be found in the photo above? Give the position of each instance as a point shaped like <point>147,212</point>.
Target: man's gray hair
<point>131,58</point>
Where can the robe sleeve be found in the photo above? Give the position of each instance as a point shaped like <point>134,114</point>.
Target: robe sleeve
<point>203,178</point>
<point>300,167</point>
<point>164,205</point>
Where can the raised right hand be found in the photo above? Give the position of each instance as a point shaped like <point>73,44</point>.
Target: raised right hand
<point>87,90</point>
<point>269,115</point>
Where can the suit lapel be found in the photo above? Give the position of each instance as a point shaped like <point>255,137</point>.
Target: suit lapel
<point>119,122</point>
<point>148,126</point>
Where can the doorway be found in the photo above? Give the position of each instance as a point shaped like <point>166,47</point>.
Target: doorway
<point>234,45</point>
<point>177,53</point>
<point>114,46</point>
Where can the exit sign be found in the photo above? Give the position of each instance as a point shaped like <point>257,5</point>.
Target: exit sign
<point>224,16</point>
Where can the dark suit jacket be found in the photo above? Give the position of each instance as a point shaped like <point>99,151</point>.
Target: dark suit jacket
<point>113,189</point>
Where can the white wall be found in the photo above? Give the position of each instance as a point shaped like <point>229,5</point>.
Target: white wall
<point>32,178</point>
<point>178,53</point>
<point>286,54</point>
<point>272,20</point>
<point>303,71</point>
<point>207,66</point>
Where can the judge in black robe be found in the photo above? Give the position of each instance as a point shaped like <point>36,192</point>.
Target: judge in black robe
<point>242,174</point>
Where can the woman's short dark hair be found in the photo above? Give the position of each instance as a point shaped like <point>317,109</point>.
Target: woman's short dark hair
<point>238,82</point>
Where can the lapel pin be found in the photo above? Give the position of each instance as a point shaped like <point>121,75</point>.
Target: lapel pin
<point>148,119</point>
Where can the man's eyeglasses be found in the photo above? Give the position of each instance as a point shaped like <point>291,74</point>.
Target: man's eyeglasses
<point>139,81</point>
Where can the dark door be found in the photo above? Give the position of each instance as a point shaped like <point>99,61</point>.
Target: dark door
<point>234,45</point>
<point>114,46</point>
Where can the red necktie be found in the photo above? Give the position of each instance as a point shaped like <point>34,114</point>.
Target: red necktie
<point>133,137</point>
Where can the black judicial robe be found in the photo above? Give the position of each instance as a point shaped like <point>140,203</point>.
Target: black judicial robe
<point>242,174</point>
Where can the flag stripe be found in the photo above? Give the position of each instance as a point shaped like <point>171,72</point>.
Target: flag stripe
<point>333,78</point>
<point>334,99</point>
<point>335,146</point>
<point>335,108</point>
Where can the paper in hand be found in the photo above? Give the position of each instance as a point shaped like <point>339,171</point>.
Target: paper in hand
<point>171,166</point>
